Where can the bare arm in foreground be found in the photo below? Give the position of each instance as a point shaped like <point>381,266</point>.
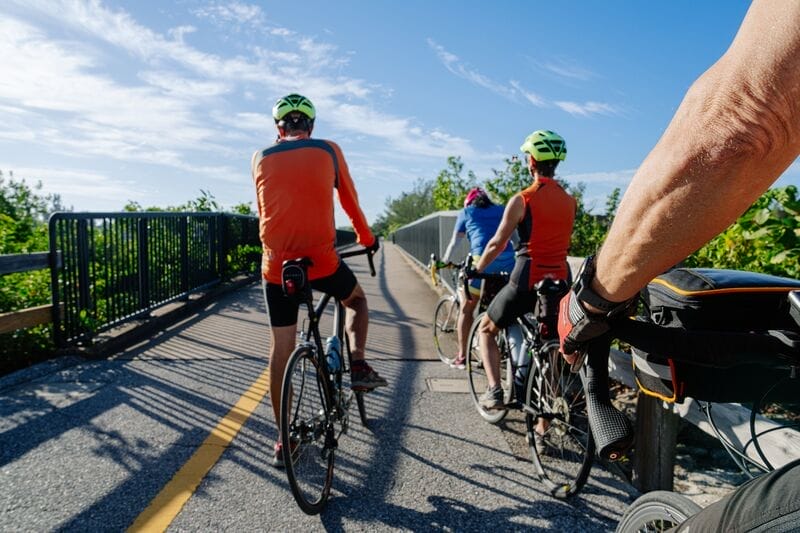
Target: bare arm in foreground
<point>736,131</point>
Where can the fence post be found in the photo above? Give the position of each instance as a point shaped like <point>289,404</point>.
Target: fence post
<point>84,298</point>
<point>55,265</point>
<point>222,248</point>
<point>184,253</point>
<point>144,270</point>
<point>656,436</point>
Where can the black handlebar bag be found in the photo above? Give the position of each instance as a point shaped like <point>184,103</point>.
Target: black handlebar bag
<point>719,310</point>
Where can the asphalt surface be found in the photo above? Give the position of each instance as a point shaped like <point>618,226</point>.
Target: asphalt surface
<point>88,445</point>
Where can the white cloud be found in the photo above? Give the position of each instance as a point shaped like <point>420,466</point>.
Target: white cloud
<point>511,92</point>
<point>236,13</point>
<point>183,87</point>
<point>566,70</point>
<point>454,65</point>
<point>587,108</point>
<point>82,184</point>
<point>616,178</point>
<point>531,97</point>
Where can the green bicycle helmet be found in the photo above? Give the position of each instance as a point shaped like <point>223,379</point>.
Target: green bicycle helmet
<point>293,102</point>
<point>544,145</point>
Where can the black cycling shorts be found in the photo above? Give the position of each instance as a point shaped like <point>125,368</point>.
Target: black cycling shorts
<point>514,299</point>
<point>283,309</point>
<point>770,502</point>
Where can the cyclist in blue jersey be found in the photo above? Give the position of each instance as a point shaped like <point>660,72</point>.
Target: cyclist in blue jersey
<point>478,221</point>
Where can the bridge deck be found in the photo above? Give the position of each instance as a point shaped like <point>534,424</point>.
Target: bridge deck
<point>92,445</point>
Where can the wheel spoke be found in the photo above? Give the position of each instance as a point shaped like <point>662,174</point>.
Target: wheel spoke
<point>564,452</point>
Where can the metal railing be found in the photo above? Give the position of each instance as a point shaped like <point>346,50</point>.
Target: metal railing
<point>116,266</point>
<point>428,235</point>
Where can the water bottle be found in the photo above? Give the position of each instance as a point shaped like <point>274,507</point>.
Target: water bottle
<point>333,351</point>
<point>520,355</point>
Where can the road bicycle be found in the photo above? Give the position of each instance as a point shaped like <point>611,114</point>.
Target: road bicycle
<point>739,342</point>
<point>448,308</point>
<point>551,397</point>
<point>446,312</point>
<point>315,396</point>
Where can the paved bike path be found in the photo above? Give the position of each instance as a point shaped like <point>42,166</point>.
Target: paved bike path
<point>91,445</point>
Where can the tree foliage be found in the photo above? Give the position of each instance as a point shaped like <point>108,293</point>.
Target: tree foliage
<point>766,238</point>
<point>204,203</point>
<point>24,211</point>
<point>509,181</point>
<point>406,208</point>
<point>450,187</point>
<point>589,229</point>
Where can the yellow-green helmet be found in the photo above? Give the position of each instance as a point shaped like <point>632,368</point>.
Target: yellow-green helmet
<point>544,145</point>
<point>293,102</point>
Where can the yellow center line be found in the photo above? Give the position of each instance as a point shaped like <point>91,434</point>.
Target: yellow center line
<point>169,502</point>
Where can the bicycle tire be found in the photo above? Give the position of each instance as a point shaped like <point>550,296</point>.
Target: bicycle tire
<point>476,375</point>
<point>445,328</point>
<point>306,430</point>
<point>659,510</point>
<point>556,395</point>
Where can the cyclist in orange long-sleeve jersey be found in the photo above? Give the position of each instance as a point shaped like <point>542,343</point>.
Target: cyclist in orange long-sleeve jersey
<point>295,179</point>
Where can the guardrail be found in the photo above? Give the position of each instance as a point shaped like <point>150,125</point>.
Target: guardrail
<point>656,422</point>
<point>117,266</point>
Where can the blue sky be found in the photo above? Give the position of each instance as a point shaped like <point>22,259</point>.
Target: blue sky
<point>110,102</point>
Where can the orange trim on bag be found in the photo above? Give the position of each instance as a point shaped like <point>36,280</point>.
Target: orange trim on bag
<point>672,399</point>
<point>722,291</point>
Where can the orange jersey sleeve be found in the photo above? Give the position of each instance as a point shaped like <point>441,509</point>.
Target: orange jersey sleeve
<point>348,198</point>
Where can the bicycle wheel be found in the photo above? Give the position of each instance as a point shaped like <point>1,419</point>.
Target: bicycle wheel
<point>445,328</point>
<point>659,510</point>
<point>476,374</point>
<point>306,431</point>
<point>564,452</point>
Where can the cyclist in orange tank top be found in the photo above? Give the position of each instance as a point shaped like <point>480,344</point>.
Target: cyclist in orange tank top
<point>543,215</point>
<point>295,179</point>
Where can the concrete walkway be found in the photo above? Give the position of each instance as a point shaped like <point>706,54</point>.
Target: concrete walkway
<point>88,445</point>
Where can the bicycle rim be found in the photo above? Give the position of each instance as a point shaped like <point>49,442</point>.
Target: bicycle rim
<point>445,329</point>
<point>655,511</point>
<point>564,455</point>
<point>305,424</point>
<point>476,375</point>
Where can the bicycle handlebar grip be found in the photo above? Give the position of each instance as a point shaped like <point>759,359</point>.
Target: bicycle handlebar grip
<point>612,431</point>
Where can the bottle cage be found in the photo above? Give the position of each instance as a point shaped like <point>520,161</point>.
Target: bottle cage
<point>294,276</point>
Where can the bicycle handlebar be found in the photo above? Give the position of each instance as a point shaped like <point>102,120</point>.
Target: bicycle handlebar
<point>468,273</point>
<point>363,251</point>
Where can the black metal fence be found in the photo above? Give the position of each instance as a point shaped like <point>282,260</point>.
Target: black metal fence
<point>115,266</point>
